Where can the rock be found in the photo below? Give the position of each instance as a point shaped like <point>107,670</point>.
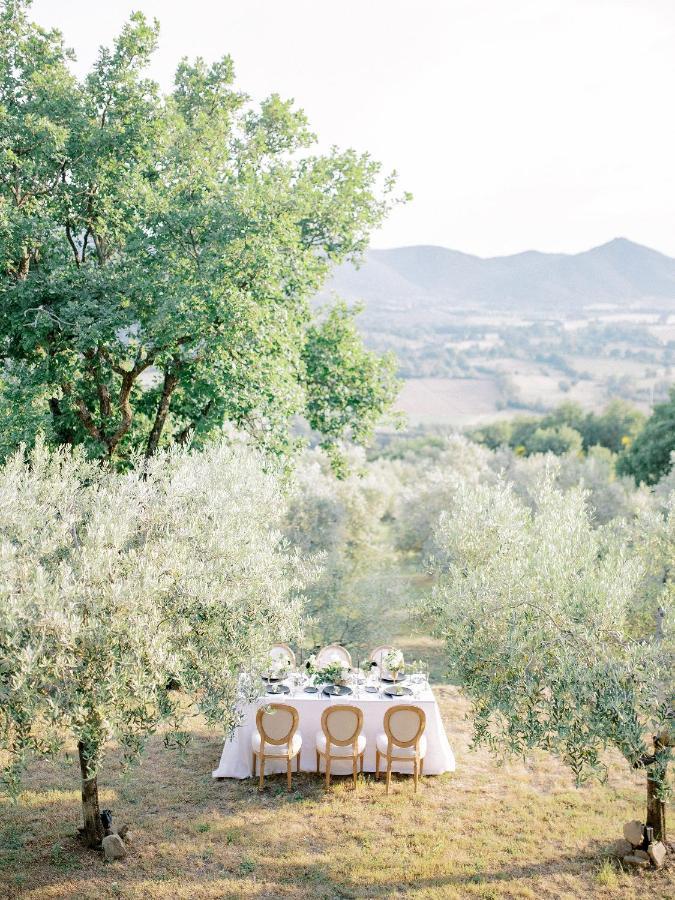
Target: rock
<point>113,847</point>
<point>634,832</point>
<point>623,847</point>
<point>123,831</point>
<point>642,854</point>
<point>657,853</point>
<point>632,860</point>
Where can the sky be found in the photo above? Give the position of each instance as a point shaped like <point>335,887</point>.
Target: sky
<point>515,124</point>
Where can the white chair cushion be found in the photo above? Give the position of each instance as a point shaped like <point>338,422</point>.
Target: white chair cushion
<point>336,750</point>
<point>382,743</point>
<point>277,749</point>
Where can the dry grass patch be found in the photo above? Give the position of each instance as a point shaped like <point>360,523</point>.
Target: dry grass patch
<point>519,830</point>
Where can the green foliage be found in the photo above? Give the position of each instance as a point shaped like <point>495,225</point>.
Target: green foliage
<point>114,585</point>
<point>614,428</point>
<point>534,608</point>
<point>559,439</point>
<point>158,255</point>
<point>650,456</point>
<point>344,525</point>
<point>330,674</point>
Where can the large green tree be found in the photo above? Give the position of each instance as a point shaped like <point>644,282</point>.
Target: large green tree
<point>650,456</point>
<point>158,255</point>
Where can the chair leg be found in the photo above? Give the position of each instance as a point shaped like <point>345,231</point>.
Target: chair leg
<point>253,755</point>
<point>261,763</point>
<point>289,764</point>
<point>297,765</point>
<point>377,765</point>
<point>415,765</point>
<point>318,763</point>
<point>422,766</point>
<point>389,762</point>
<point>354,767</point>
<point>362,755</point>
<point>327,772</point>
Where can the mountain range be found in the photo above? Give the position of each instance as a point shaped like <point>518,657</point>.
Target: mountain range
<point>419,284</point>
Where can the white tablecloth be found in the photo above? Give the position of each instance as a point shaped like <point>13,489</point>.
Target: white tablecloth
<point>235,761</point>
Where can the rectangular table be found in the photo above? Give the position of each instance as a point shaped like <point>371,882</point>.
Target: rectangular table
<point>235,761</point>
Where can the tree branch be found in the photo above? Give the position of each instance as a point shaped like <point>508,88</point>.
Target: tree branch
<point>170,382</point>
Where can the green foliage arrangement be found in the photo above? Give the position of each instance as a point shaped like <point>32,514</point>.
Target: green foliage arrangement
<point>333,673</point>
<point>158,255</point>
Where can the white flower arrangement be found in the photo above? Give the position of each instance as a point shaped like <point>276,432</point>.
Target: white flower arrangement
<point>394,661</point>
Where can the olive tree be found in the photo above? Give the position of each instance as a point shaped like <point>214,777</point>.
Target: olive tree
<point>533,605</point>
<point>116,585</point>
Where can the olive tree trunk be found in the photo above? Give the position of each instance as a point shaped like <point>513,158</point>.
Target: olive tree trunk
<point>91,814</point>
<point>656,811</point>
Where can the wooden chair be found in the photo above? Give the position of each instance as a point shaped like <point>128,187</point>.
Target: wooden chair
<point>378,655</point>
<point>404,733</point>
<point>276,737</point>
<point>340,738</point>
<point>333,653</point>
<point>281,651</point>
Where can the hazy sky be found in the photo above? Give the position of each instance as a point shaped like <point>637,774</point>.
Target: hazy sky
<point>516,124</point>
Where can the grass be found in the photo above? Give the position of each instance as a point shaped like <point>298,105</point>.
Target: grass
<point>519,831</point>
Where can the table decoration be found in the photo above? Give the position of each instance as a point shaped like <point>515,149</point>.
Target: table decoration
<point>337,690</point>
<point>394,663</point>
<point>396,690</point>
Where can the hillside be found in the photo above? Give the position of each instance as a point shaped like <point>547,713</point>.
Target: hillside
<point>477,338</point>
<point>414,282</point>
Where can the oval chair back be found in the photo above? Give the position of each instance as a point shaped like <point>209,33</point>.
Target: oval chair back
<point>342,725</point>
<point>277,724</point>
<point>333,653</point>
<point>403,726</point>
<point>281,651</point>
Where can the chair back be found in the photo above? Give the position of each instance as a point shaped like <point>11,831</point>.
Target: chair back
<point>342,724</point>
<point>277,723</point>
<point>333,653</point>
<point>379,654</point>
<point>404,725</point>
<point>279,652</point>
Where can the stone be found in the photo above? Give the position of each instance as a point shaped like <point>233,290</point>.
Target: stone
<point>632,860</point>
<point>642,854</point>
<point>657,853</point>
<point>113,847</point>
<point>634,832</point>
<point>623,847</point>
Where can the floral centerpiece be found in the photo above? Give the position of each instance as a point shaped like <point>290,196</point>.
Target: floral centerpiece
<point>334,673</point>
<point>393,661</point>
<point>279,669</point>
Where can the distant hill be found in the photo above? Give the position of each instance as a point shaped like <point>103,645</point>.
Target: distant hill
<point>420,285</point>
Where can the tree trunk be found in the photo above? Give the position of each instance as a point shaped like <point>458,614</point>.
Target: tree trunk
<point>656,811</point>
<point>170,382</point>
<point>93,828</point>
